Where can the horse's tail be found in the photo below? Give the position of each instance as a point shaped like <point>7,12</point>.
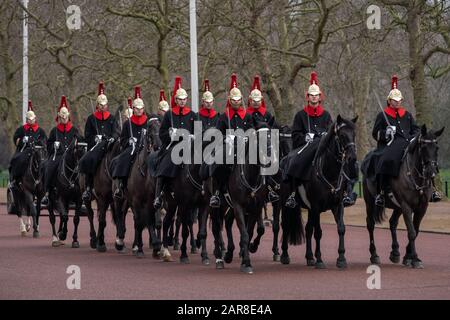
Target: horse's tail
<point>292,224</point>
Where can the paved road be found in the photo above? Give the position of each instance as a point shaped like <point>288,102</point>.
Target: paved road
<point>32,269</point>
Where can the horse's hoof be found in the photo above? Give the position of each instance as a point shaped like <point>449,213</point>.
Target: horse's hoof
<point>56,243</point>
<point>205,261</point>
<point>375,260</point>
<point>139,254</point>
<point>320,265</point>
<point>276,257</point>
<point>194,250</point>
<point>119,247</point>
<point>285,260</point>
<point>167,258</point>
<point>93,243</point>
<point>36,234</point>
<point>310,262</point>
<point>341,263</point>
<point>246,269</point>
<point>407,262</point>
<point>184,260</point>
<point>252,248</point>
<point>228,257</point>
<point>101,247</point>
<point>23,233</point>
<point>395,258</point>
<point>155,254</point>
<point>135,249</point>
<point>220,264</point>
<point>75,244</point>
<point>417,264</point>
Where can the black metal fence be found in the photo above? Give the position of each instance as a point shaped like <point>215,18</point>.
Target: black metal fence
<point>358,186</point>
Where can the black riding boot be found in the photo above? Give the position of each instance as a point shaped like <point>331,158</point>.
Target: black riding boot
<point>214,201</point>
<point>384,184</point>
<point>118,192</point>
<point>157,204</point>
<point>87,194</point>
<point>291,202</point>
<point>349,195</point>
<point>436,195</point>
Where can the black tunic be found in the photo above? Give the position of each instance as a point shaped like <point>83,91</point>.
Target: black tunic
<point>19,161</point>
<point>65,138</point>
<point>161,164</point>
<point>267,118</point>
<point>387,159</point>
<point>121,164</point>
<point>208,122</point>
<point>297,164</point>
<point>107,128</point>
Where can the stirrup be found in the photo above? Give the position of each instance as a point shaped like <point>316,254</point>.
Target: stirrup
<point>118,193</point>
<point>436,196</point>
<point>290,202</point>
<point>214,202</point>
<point>157,204</point>
<point>87,196</point>
<point>379,200</point>
<point>273,196</point>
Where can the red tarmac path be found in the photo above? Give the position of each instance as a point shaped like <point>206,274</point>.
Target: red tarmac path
<point>32,269</point>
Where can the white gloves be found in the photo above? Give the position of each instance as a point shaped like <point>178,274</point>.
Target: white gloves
<point>56,144</point>
<point>172,133</point>
<point>309,137</point>
<point>132,141</point>
<point>98,138</point>
<point>111,140</point>
<point>390,132</point>
<point>25,139</point>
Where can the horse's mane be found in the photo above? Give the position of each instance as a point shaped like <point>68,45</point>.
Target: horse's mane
<point>327,138</point>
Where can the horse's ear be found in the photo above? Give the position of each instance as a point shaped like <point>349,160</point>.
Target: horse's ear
<point>355,119</point>
<point>423,130</point>
<point>339,119</point>
<point>439,132</point>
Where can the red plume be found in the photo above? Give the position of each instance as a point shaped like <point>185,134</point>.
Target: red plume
<point>63,103</point>
<point>233,83</point>
<point>176,86</point>
<point>130,103</point>
<point>137,92</point>
<point>313,79</point>
<point>256,83</point>
<point>101,88</point>
<point>394,82</point>
<point>30,106</point>
<point>162,95</point>
<point>206,85</point>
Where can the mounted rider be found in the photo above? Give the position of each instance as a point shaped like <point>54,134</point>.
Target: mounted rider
<point>235,117</point>
<point>29,133</point>
<point>208,115</point>
<point>393,130</point>
<point>180,117</point>
<point>60,138</point>
<point>310,124</point>
<point>133,131</point>
<point>256,107</point>
<point>101,131</point>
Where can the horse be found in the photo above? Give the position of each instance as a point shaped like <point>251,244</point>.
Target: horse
<point>334,165</point>
<point>412,190</point>
<point>67,191</point>
<point>245,196</point>
<point>141,190</point>
<point>187,182</point>
<point>30,189</point>
<point>102,194</point>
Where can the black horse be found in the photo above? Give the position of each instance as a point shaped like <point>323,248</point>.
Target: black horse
<point>67,190</point>
<point>333,167</point>
<point>26,199</point>
<point>102,195</point>
<point>412,190</point>
<point>244,201</point>
<point>186,197</point>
